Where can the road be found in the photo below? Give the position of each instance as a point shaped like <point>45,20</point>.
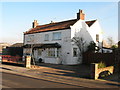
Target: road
<point>10,80</point>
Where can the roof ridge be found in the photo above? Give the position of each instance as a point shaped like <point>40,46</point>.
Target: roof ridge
<point>58,22</point>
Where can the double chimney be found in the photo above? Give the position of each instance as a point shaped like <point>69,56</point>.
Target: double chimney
<point>80,15</point>
<point>35,23</point>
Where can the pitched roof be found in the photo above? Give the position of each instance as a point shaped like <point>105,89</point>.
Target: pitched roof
<point>56,26</point>
<point>89,23</point>
<point>17,45</point>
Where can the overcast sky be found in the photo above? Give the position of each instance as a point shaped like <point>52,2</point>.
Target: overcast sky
<point>17,17</point>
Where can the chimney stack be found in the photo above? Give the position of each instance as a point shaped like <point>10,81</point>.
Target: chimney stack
<point>81,15</point>
<point>35,23</point>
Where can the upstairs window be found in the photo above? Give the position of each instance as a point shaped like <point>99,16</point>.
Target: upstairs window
<point>30,38</point>
<point>57,36</point>
<point>46,37</point>
<point>97,37</point>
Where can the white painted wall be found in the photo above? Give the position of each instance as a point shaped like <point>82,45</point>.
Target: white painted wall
<point>80,29</point>
<point>96,29</point>
<point>64,42</point>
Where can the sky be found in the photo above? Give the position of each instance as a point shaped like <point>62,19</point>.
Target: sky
<point>17,17</point>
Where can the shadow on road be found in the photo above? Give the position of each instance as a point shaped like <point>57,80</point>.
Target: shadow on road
<point>23,77</point>
<point>13,64</point>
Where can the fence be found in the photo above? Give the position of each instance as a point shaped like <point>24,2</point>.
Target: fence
<point>9,58</point>
<point>107,58</point>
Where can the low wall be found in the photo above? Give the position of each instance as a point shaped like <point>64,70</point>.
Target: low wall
<point>95,71</point>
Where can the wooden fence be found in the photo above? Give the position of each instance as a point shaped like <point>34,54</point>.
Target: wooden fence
<point>107,58</point>
<point>9,58</point>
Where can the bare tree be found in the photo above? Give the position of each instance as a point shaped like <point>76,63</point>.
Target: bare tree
<point>110,41</point>
<point>80,42</point>
<point>32,54</point>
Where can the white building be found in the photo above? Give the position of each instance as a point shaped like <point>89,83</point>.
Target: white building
<point>52,43</point>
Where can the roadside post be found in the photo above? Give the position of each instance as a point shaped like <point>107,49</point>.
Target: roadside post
<point>28,61</point>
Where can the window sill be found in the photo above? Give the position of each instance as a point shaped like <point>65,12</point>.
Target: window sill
<point>51,57</point>
<point>46,40</point>
<point>56,39</point>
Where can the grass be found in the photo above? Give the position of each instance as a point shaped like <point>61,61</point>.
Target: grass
<point>101,65</point>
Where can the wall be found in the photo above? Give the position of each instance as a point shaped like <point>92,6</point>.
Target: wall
<point>107,58</point>
<point>80,28</point>
<point>95,71</point>
<point>96,29</point>
<point>65,57</point>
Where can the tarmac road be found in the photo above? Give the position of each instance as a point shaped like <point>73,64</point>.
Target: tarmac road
<point>10,80</point>
<point>46,77</point>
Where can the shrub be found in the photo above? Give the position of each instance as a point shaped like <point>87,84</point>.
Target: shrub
<point>101,65</point>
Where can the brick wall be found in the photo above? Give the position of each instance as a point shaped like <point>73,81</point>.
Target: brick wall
<point>95,71</point>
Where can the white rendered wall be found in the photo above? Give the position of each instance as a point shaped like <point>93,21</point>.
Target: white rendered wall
<point>64,42</point>
<point>80,29</point>
<point>96,29</point>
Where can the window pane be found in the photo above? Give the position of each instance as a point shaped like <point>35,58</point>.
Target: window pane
<point>57,36</point>
<point>74,52</point>
<point>97,37</point>
<point>51,52</point>
<point>30,38</point>
<point>39,51</point>
<point>46,37</point>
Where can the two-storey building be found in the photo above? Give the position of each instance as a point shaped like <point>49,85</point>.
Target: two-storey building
<point>52,43</point>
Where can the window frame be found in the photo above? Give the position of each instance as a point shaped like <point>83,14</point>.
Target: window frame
<point>97,37</point>
<point>58,37</point>
<point>75,55</point>
<point>50,52</point>
<point>46,38</point>
<point>30,38</point>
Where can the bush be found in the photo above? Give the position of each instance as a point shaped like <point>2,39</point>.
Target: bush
<point>101,65</point>
<point>91,47</point>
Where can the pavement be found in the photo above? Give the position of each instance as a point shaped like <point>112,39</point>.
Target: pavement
<point>72,75</point>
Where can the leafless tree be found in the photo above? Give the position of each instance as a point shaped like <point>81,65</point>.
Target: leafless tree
<point>80,42</point>
<point>32,54</point>
<point>110,41</point>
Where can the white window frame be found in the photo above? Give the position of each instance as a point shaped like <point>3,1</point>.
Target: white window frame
<point>46,37</point>
<point>52,52</point>
<point>30,38</point>
<point>57,36</point>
